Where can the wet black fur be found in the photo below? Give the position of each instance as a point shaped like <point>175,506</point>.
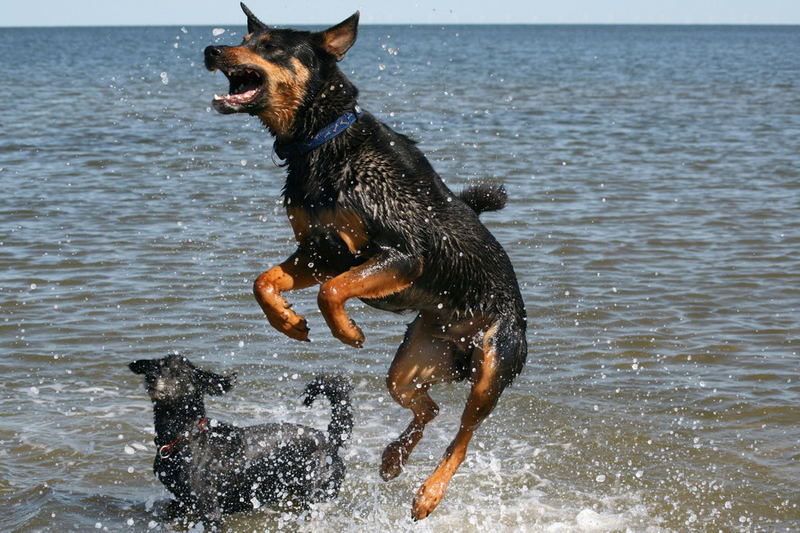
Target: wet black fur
<point>408,211</point>
<point>221,469</point>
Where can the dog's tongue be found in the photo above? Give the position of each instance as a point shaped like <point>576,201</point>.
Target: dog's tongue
<point>239,98</point>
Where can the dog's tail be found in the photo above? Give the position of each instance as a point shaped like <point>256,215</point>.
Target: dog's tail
<point>484,197</point>
<point>337,390</point>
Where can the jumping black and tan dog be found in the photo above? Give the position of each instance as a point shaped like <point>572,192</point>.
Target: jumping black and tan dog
<point>374,221</point>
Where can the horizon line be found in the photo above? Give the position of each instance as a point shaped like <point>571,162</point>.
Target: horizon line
<point>305,25</point>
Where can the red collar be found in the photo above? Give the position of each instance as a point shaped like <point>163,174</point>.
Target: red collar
<point>166,450</point>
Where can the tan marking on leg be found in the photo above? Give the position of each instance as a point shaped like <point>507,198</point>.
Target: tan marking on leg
<point>395,455</point>
<point>378,277</point>
<point>482,399</point>
<point>421,361</point>
<point>293,273</point>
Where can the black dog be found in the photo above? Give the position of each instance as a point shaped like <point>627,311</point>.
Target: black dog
<point>213,468</point>
<point>374,221</point>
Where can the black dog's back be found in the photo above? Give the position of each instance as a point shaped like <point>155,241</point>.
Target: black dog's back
<point>305,460</point>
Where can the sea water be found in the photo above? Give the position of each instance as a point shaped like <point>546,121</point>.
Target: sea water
<point>653,222</point>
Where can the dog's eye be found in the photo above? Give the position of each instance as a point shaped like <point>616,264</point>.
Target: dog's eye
<point>269,49</point>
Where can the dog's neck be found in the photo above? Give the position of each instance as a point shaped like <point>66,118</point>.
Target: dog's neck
<point>335,96</point>
<point>175,419</point>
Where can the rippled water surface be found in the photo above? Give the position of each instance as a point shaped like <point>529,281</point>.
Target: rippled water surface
<point>654,223</point>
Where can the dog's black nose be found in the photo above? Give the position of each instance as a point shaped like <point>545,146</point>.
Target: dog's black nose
<point>212,52</point>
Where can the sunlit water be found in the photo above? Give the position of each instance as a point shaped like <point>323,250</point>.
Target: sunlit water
<point>654,223</point>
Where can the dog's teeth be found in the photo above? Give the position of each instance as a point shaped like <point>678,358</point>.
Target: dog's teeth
<point>217,97</point>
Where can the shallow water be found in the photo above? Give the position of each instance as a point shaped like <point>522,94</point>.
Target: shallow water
<point>653,222</point>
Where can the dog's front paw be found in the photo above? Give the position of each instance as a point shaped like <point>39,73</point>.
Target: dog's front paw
<point>428,497</point>
<point>290,324</point>
<point>349,334</point>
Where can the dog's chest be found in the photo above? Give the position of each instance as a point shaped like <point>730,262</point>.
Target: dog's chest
<point>330,223</point>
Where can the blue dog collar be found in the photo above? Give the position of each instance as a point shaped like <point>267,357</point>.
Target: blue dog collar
<point>283,150</point>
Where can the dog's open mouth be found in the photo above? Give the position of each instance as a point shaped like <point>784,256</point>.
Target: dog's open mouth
<point>246,85</point>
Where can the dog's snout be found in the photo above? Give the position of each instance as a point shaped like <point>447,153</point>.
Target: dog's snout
<point>213,51</point>
<point>212,55</point>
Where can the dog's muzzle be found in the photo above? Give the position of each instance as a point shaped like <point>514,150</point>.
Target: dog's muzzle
<point>212,55</point>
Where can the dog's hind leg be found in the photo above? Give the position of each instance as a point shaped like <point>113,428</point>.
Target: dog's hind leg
<point>422,360</point>
<point>492,368</point>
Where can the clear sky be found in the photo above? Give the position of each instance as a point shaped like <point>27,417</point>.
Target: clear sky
<point>285,12</point>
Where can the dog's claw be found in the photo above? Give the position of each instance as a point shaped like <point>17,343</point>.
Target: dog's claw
<point>354,337</point>
<point>290,324</point>
<point>298,332</point>
<point>347,331</point>
<point>427,499</point>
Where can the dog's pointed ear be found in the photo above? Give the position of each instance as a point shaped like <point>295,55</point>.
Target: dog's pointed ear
<point>214,384</point>
<point>338,39</point>
<point>253,24</point>
<point>142,366</point>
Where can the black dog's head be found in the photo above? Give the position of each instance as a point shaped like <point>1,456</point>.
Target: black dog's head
<point>274,71</point>
<point>174,378</point>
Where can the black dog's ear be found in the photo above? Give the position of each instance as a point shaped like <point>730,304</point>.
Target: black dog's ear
<point>338,39</point>
<point>214,384</point>
<point>253,24</point>
<point>142,366</point>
